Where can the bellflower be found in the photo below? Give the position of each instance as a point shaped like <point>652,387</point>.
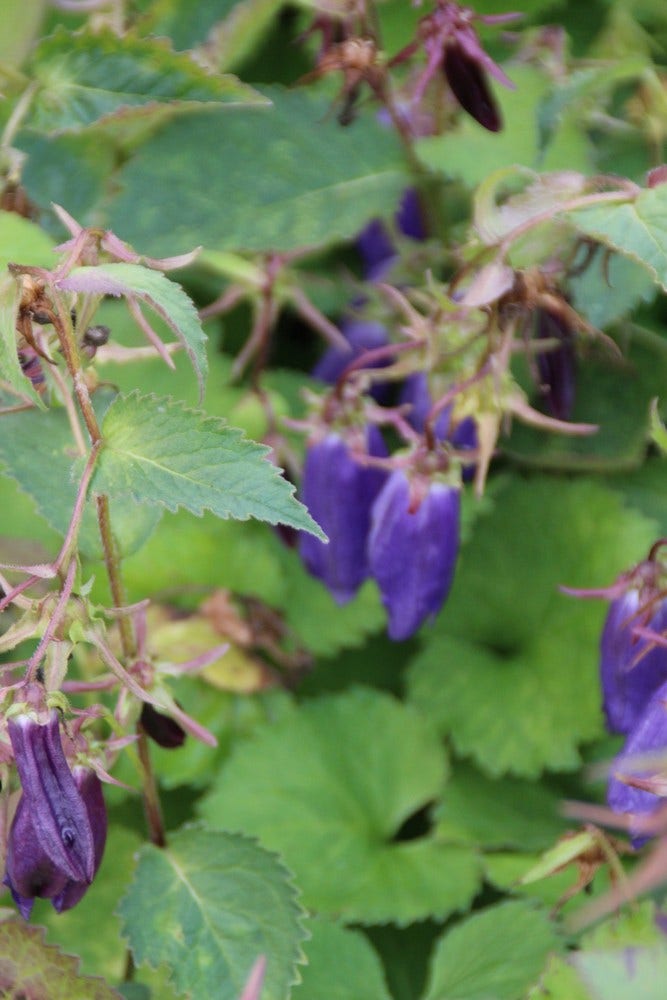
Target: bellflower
<point>51,842</point>
<point>649,736</point>
<point>362,336</point>
<point>556,367</point>
<point>412,550</point>
<point>375,244</point>
<point>90,790</point>
<point>630,669</point>
<point>339,493</point>
<point>463,436</point>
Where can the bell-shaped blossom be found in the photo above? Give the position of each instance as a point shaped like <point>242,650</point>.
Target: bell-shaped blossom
<point>412,549</point>
<point>51,840</point>
<point>630,668</point>
<point>463,436</point>
<point>375,245</point>
<point>90,790</point>
<point>648,737</point>
<point>362,336</point>
<point>339,492</point>
<point>557,367</point>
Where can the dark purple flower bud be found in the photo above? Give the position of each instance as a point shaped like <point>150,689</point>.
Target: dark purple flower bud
<point>30,872</point>
<point>630,669</point>
<point>649,736</point>
<point>90,790</point>
<point>468,82</point>
<point>412,550</point>
<point>339,493</point>
<point>557,366</point>
<point>50,793</point>
<point>161,728</point>
<point>362,336</point>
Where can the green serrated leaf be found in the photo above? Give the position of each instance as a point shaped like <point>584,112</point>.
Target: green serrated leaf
<point>161,453</point>
<point>36,449</point>
<point>52,162</point>
<point>636,229</point>
<point>341,965</point>
<point>10,368</point>
<point>31,968</point>
<point>507,633</point>
<point>285,177</point>
<point>208,905</point>
<point>497,814</point>
<point>166,297</point>
<point>90,76</point>
<point>348,796</point>
<point>496,953</point>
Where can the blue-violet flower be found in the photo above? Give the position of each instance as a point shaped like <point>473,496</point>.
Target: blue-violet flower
<point>412,550</point>
<point>630,668</point>
<point>649,736</point>
<point>51,842</point>
<point>339,493</point>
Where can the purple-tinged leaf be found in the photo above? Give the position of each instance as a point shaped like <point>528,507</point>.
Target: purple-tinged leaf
<point>165,297</point>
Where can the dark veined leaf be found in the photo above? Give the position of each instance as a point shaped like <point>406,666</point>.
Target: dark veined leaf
<point>159,452</point>
<point>89,76</point>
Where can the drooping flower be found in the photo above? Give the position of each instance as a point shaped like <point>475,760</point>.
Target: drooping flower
<point>362,336</point>
<point>631,669</point>
<point>412,550</point>
<point>161,728</point>
<point>557,366</point>
<point>648,737</point>
<point>468,82</point>
<point>375,244</point>
<point>463,436</point>
<point>339,492</point>
<point>90,790</point>
<point>51,841</point>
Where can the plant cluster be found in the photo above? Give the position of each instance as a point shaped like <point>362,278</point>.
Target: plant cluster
<point>417,330</point>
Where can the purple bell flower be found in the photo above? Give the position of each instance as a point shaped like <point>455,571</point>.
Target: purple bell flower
<point>630,669</point>
<point>362,336</point>
<point>51,841</point>
<point>649,736</point>
<point>374,242</point>
<point>90,790</point>
<point>463,436</point>
<point>412,551</point>
<point>556,367</point>
<point>339,493</point>
<point>415,391</point>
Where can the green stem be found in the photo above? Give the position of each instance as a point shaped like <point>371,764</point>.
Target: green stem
<point>64,327</point>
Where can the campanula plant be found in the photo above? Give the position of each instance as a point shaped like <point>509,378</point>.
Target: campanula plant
<point>382,271</point>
